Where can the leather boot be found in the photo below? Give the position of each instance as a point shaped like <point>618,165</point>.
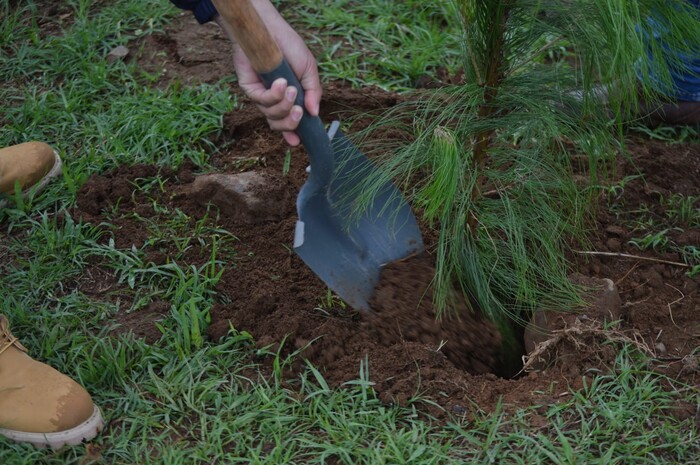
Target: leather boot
<point>39,405</point>
<point>31,165</point>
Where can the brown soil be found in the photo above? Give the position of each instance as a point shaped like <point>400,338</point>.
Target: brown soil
<point>267,291</point>
<point>403,311</point>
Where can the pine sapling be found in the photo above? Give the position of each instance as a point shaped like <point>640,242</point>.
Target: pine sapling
<point>502,165</point>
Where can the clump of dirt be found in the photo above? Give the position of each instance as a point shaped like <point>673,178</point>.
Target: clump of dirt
<point>403,316</point>
<point>404,312</point>
<point>143,323</point>
<point>111,189</point>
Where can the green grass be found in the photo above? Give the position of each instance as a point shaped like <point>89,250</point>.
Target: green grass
<point>186,399</point>
<point>670,134</point>
<point>384,43</point>
<point>61,90</point>
<point>656,225</point>
<point>603,423</point>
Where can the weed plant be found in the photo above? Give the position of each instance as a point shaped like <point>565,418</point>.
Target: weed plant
<point>657,230</point>
<point>489,163</point>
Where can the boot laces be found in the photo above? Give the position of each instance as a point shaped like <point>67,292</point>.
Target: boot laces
<point>7,339</point>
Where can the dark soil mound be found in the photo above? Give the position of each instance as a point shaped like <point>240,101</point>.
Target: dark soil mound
<point>404,312</point>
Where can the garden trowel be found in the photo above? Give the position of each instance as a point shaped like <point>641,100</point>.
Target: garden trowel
<point>346,249</point>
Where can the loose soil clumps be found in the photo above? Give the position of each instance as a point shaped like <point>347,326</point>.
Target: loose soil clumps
<point>404,312</point>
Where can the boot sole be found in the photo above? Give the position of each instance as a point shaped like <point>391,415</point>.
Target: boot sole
<point>38,187</point>
<point>72,437</point>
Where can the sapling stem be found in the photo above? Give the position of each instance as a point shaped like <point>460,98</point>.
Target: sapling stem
<point>486,109</point>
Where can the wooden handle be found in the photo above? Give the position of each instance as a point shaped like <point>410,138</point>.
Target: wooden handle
<point>243,23</point>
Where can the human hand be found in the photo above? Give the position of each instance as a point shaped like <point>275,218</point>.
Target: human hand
<point>277,102</point>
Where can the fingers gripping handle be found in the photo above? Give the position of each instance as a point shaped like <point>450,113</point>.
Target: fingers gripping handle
<point>245,25</point>
<point>310,129</point>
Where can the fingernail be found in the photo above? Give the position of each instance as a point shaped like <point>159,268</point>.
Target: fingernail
<point>291,93</point>
<point>297,113</point>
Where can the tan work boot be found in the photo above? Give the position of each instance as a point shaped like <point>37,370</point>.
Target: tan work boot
<point>31,165</point>
<point>39,405</point>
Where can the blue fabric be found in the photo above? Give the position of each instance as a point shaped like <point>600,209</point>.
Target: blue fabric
<point>203,10</point>
<point>685,83</point>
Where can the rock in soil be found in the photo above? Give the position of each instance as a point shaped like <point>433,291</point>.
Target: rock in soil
<point>247,197</point>
<point>603,305</point>
<point>117,53</point>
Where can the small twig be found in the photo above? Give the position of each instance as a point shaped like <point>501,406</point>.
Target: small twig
<point>635,257</point>
<point>670,312</point>
<point>668,359</point>
<point>617,283</point>
<point>635,287</point>
<point>494,193</point>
